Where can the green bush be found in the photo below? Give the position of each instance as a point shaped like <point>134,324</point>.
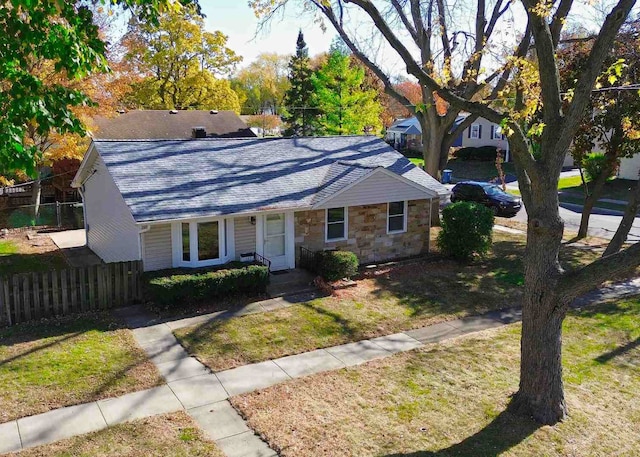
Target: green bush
<point>334,265</point>
<point>483,153</point>
<point>183,287</point>
<point>466,230</point>
<point>593,164</point>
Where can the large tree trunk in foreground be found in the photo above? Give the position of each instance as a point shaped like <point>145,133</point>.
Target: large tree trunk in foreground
<point>541,393</point>
<point>624,228</point>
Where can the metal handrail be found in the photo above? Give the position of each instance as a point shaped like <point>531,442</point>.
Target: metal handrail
<point>308,259</point>
<point>262,260</point>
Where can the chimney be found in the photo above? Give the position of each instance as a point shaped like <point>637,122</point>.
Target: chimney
<point>199,132</point>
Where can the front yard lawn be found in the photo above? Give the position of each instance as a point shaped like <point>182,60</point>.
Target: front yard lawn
<point>18,254</point>
<point>170,434</point>
<point>385,301</point>
<point>450,399</point>
<point>69,361</point>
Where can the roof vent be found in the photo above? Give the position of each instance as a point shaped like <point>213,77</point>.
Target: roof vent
<point>213,111</point>
<point>199,132</point>
<point>121,111</point>
<point>173,111</point>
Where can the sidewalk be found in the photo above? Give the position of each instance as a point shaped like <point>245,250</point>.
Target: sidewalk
<point>193,387</point>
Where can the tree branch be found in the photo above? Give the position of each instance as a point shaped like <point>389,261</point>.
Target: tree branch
<point>559,18</point>
<point>575,283</point>
<point>548,69</point>
<point>405,20</point>
<point>388,85</point>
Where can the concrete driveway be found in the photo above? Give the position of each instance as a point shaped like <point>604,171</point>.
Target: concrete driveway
<point>69,238</point>
<point>73,245</point>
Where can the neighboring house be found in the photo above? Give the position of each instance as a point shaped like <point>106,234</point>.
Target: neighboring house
<point>405,134</point>
<point>171,124</point>
<point>629,167</point>
<point>202,202</point>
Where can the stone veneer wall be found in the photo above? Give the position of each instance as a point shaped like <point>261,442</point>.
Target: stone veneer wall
<point>367,230</point>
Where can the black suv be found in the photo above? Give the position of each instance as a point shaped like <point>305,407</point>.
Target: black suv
<point>490,195</point>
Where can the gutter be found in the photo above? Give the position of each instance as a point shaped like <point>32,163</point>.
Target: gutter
<point>142,229</point>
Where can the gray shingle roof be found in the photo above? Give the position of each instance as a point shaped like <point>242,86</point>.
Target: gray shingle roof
<point>175,179</point>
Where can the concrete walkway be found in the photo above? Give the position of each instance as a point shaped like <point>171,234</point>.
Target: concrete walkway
<point>193,387</point>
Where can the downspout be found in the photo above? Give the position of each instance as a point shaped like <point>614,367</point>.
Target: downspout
<point>143,229</point>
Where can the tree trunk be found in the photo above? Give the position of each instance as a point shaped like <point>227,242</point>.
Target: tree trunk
<point>591,199</point>
<point>625,225</point>
<point>541,392</point>
<point>431,146</point>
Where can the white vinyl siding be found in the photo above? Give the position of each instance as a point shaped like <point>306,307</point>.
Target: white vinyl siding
<point>629,167</point>
<point>378,188</point>
<point>112,233</point>
<point>245,236</point>
<point>157,248</point>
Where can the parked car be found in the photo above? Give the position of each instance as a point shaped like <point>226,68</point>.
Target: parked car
<point>488,194</point>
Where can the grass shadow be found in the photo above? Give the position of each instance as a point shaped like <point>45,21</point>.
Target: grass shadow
<point>504,432</point>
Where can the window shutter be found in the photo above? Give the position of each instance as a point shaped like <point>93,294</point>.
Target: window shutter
<point>493,129</point>
<point>480,131</point>
<point>469,131</point>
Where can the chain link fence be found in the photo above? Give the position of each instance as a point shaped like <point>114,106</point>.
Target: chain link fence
<point>62,215</point>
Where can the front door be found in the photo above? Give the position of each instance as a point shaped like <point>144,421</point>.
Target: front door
<point>275,241</point>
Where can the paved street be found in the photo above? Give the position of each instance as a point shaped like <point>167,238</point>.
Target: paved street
<point>603,223</point>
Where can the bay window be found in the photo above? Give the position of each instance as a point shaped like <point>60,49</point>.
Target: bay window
<point>200,244</point>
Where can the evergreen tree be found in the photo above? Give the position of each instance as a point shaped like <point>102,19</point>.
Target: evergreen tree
<point>346,107</point>
<point>299,113</point>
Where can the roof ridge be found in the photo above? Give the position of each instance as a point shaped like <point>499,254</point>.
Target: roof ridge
<point>279,138</point>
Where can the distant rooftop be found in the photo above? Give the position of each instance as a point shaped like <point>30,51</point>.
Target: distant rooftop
<point>170,124</point>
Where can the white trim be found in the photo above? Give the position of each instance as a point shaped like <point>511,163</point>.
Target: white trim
<point>326,224</point>
<point>91,151</point>
<point>289,237</point>
<point>176,244</point>
<point>471,135</point>
<point>223,216</point>
<point>430,193</point>
<point>405,214</point>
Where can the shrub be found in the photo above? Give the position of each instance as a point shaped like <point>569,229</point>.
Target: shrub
<point>183,287</point>
<point>593,164</point>
<point>466,230</point>
<point>483,153</point>
<point>334,265</point>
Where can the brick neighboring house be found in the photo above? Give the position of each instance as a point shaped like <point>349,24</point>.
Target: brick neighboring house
<point>201,202</point>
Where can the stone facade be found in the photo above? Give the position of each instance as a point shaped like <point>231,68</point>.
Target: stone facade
<point>367,232</point>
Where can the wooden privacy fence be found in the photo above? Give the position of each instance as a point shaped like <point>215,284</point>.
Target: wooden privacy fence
<point>31,296</point>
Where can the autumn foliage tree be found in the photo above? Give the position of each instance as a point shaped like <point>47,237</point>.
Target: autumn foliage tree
<point>64,34</point>
<point>611,122</point>
<point>180,61</point>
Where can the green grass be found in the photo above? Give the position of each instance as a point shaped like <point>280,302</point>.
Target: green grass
<point>8,247</point>
<point>18,257</point>
<point>174,434</point>
<point>451,399</point>
<point>383,303</point>
<point>58,363</point>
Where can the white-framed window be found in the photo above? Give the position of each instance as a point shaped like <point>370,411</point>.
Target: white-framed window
<point>200,243</point>
<point>397,217</point>
<point>474,131</point>
<point>496,133</point>
<point>336,225</point>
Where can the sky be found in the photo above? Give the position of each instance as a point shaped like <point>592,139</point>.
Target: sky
<point>235,19</point>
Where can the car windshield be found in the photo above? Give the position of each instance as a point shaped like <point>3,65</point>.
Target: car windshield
<point>493,191</point>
